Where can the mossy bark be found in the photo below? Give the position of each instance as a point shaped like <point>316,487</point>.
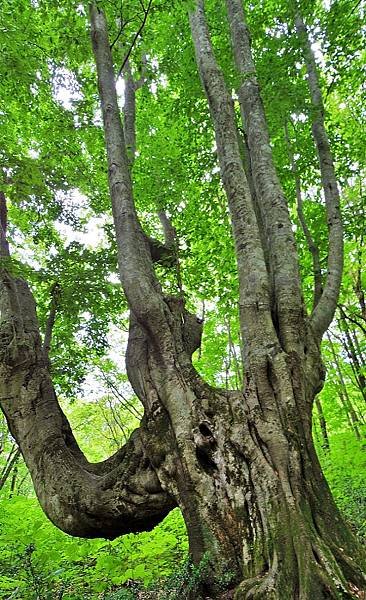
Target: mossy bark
<point>246,477</point>
<point>241,465</point>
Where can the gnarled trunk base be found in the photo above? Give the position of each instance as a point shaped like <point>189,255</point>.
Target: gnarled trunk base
<point>243,469</point>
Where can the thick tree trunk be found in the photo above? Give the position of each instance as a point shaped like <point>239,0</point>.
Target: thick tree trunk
<point>240,465</point>
<point>252,493</point>
<point>107,499</point>
<point>288,509</point>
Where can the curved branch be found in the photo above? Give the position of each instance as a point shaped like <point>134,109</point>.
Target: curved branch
<point>324,311</point>
<point>140,285</point>
<point>119,495</point>
<point>353,319</point>
<point>136,36</point>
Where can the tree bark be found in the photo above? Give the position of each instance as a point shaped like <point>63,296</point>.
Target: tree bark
<point>241,465</point>
<point>325,308</point>
<point>323,425</point>
<point>118,495</point>
<point>287,548</point>
<point>312,247</point>
<point>272,206</point>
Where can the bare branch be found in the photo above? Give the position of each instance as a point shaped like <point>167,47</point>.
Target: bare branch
<point>136,36</point>
<point>353,319</point>
<point>127,404</point>
<point>123,25</point>
<point>55,298</point>
<point>312,247</point>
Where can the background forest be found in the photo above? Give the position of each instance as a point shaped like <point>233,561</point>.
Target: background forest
<point>53,175</point>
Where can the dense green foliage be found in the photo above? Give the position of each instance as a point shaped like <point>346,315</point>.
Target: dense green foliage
<point>53,173</point>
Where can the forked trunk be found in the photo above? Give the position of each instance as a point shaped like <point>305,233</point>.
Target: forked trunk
<point>240,465</point>
<point>243,470</point>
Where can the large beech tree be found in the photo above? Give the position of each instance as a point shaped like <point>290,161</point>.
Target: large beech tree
<point>240,464</point>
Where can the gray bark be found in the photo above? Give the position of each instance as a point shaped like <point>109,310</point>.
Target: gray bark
<point>240,465</point>
<point>325,309</point>
<point>312,247</point>
<point>4,245</point>
<point>269,195</point>
<point>116,496</point>
<point>254,284</point>
<point>129,111</point>
<point>271,388</point>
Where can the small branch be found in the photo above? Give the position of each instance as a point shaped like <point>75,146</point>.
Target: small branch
<point>123,25</point>
<point>137,35</point>
<point>312,247</point>
<point>13,458</point>
<point>127,404</point>
<point>55,299</point>
<point>353,319</point>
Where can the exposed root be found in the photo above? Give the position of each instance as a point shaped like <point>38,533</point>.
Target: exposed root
<point>316,577</point>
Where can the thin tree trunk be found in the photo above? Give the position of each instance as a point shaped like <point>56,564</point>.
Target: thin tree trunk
<point>55,297</point>
<point>358,347</point>
<point>323,424</point>
<point>14,478</point>
<point>13,457</point>
<point>344,393</point>
<point>354,357</point>
<point>312,247</point>
<point>324,310</point>
<point>360,293</point>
